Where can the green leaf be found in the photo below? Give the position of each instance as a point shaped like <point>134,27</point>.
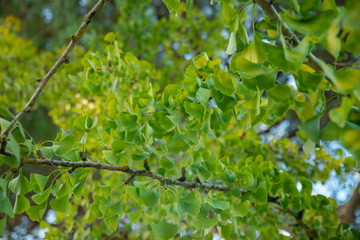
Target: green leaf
<point>260,196</point>
<point>204,96</point>
<point>314,25</point>
<point>2,225</point>
<point>41,197</point>
<point>190,204</point>
<point>195,110</point>
<point>340,114</point>
<point>345,80</point>
<point>65,145</point>
<point>128,121</point>
<point>40,180</point>
<point>307,80</point>
<point>149,198</point>
<point>288,185</point>
<point>48,152</point>
<point>109,37</point>
<point>84,123</point>
<point>61,204</point>
<point>178,143</point>
<point>20,185</point>
<point>112,222</point>
<point>135,216</point>
<point>6,207</point>
<point>350,139</point>
<point>21,204</point>
<point>231,48</point>
<point>118,145</point>
<point>13,147</point>
<point>167,162</point>
<point>205,223</point>
<point>312,129</point>
<point>201,60</point>
<point>330,40</point>
<point>165,230</point>
<point>210,160</point>
<point>241,210</point>
<point>309,146</point>
<point>276,57</point>
<point>36,213</point>
<point>172,5</point>
<point>222,205</point>
<point>78,188</point>
<point>203,173</point>
<point>246,69</point>
<point>225,82</point>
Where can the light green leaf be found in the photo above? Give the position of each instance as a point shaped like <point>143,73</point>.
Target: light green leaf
<point>21,204</point>
<point>109,37</point>
<point>340,114</point>
<point>13,147</point>
<point>172,5</point>
<point>84,123</point>
<point>149,198</point>
<point>314,25</point>
<point>165,230</point>
<point>6,207</point>
<point>312,129</point>
<point>40,180</point>
<point>41,197</point>
<point>307,80</point>
<point>2,225</point>
<point>260,196</point>
<point>204,96</point>
<point>309,146</point>
<point>245,68</point>
<point>135,216</point>
<point>20,185</point>
<point>225,82</point>
<point>78,188</point>
<point>128,121</point>
<point>241,209</point>
<point>190,204</point>
<point>205,223</point>
<point>195,110</point>
<point>61,204</point>
<point>231,48</point>
<point>222,205</point>
<point>112,222</point>
<point>167,162</point>
<point>118,145</point>
<point>178,143</point>
<point>288,185</point>
<point>36,212</point>
<point>203,173</point>
<point>65,145</point>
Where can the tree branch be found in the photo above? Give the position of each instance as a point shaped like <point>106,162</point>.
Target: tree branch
<point>311,233</point>
<point>63,59</point>
<point>273,15</point>
<point>346,212</point>
<point>126,169</point>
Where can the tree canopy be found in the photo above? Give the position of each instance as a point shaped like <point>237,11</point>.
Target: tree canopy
<point>168,123</point>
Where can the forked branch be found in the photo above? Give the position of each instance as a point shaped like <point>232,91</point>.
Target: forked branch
<point>64,58</point>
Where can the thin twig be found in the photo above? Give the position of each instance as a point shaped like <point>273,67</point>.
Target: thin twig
<point>63,59</point>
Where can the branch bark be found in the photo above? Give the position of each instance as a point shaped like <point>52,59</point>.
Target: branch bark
<point>346,212</point>
<point>132,172</point>
<point>63,59</point>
